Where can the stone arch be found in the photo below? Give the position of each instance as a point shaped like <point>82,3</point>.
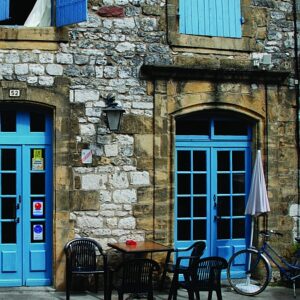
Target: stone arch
<point>56,99</point>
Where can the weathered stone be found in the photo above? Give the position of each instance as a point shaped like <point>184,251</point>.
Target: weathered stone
<point>84,200</point>
<point>111,11</point>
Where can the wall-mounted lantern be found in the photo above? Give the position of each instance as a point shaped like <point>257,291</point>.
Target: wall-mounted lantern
<point>113,112</point>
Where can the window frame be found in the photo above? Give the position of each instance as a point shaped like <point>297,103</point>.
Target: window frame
<point>44,38</point>
<point>245,43</point>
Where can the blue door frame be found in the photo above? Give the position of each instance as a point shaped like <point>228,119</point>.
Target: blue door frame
<point>26,207</point>
<point>212,178</point>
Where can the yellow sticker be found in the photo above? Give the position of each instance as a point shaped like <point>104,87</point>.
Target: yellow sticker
<point>37,153</point>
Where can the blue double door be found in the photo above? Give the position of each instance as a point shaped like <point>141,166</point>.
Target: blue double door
<point>212,182</point>
<point>25,197</point>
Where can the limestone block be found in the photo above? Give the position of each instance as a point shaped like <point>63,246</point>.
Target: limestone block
<point>46,81</point>
<point>84,221</point>
<point>87,129</point>
<point>94,181</point>
<point>21,69</point>
<point>105,196</point>
<point>125,196</point>
<point>139,178</point>
<point>111,150</point>
<point>54,69</point>
<point>127,223</point>
<point>112,222</point>
<point>192,87</point>
<point>119,180</point>
<point>82,96</point>
<point>84,200</point>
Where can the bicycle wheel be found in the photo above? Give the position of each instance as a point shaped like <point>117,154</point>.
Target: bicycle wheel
<point>248,272</point>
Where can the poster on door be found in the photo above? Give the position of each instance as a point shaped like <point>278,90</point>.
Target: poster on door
<point>38,232</point>
<point>37,160</point>
<point>37,208</point>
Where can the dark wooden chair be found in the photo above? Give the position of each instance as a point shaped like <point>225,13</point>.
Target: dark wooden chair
<point>203,276</point>
<point>85,257</point>
<point>184,263</point>
<point>133,277</point>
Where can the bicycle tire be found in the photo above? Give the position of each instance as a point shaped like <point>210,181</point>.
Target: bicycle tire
<point>248,283</point>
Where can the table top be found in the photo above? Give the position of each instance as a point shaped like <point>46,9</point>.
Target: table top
<point>145,246</point>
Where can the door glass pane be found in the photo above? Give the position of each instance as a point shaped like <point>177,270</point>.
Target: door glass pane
<point>183,230</point>
<point>199,230</point>
<point>223,229</point>
<point>223,206</point>
<point>183,207</point>
<point>238,183</point>
<point>183,183</point>
<point>37,183</point>
<point>238,205</point>
<point>8,208</point>
<point>8,121</point>
<point>37,122</point>
<point>184,160</point>
<point>238,160</point>
<point>199,207</point>
<point>8,233</point>
<point>223,183</point>
<point>8,184</point>
<point>199,161</point>
<point>238,228</point>
<point>8,159</point>
<point>199,185</point>
<point>223,160</point>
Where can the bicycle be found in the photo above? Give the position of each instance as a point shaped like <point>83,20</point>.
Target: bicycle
<point>249,271</point>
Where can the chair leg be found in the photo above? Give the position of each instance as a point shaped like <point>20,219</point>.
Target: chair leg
<point>68,285</point>
<point>210,294</point>
<point>120,295</point>
<point>219,294</point>
<point>197,293</point>
<point>191,294</point>
<point>96,278</point>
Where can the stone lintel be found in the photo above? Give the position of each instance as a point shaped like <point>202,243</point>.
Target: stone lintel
<point>216,74</point>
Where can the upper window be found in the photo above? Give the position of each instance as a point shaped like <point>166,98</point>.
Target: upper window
<point>212,24</point>
<point>210,17</point>
<point>42,13</point>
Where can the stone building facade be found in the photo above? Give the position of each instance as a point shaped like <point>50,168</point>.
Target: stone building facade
<point>133,50</point>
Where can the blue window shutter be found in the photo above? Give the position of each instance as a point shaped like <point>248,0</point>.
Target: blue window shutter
<point>210,17</point>
<point>70,12</point>
<point>4,10</point>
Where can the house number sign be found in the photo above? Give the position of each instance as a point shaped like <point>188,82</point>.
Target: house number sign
<point>14,93</point>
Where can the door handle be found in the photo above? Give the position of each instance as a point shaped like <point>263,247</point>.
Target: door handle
<point>215,201</point>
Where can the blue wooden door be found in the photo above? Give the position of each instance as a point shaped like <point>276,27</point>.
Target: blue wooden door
<point>25,197</point>
<point>212,182</point>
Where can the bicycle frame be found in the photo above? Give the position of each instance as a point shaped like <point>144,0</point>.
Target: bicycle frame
<point>285,267</point>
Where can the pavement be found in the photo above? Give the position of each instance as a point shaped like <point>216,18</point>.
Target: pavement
<point>47,293</point>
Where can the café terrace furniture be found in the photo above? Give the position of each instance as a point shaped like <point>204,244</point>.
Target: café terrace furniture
<point>203,276</point>
<point>133,277</point>
<point>85,257</point>
<point>185,261</point>
<point>142,248</point>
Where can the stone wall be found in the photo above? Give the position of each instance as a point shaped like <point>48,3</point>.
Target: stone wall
<point>127,190</point>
